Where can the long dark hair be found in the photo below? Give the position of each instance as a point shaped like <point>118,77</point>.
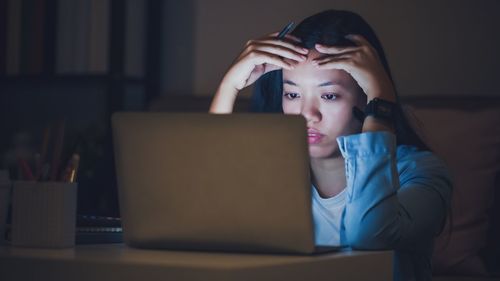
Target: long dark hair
<point>329,28</point>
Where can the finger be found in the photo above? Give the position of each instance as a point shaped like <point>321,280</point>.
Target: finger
<point>291,42</point>
<point>323,59</point>
<point>289,45</point>
<point>274,35</point>
<point>344,63</point>
<point>271,67</point>
<point>262,57</point>
<point>293,38</point>
<point>363,44</point>
<point>358,39</point>
<point>333,50</point>
<point>281,51</point>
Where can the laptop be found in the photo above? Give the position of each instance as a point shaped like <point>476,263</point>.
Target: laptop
<point>199,181</point>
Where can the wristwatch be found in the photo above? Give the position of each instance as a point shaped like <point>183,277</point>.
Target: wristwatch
<point>381,109</point>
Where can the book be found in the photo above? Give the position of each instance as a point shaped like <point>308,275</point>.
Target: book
<point>14,14</point>
<point>65,28</point>
<point>99,34</point>
<point>98,230</point>
<point>3,36</point>
<point>80,35</point>
<point>32,27</point>
<point>135,31</point>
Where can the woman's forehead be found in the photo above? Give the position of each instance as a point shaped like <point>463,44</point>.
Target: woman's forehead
<point>306,74</point>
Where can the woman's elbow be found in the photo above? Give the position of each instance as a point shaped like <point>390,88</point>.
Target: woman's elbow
<point>371,236</point>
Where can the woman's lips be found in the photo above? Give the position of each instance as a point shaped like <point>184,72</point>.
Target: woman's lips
<point>314,136</point>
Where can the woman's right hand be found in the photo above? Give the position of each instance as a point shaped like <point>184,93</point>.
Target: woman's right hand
<point>259,57</point>
<point>262,56</point>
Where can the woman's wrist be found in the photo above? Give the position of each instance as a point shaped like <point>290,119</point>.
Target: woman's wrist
<point>383,92</point>
<point>372,124</point>
<point>380,112</point>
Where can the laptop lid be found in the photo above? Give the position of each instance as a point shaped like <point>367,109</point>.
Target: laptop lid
<point>237,182</point>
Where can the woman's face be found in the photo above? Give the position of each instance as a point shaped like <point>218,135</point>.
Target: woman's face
<point>325,98</point>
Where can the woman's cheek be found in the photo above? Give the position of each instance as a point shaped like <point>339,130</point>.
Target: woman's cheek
<point>291,107</point>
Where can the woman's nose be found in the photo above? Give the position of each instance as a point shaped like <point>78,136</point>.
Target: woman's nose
<point>311,113</point>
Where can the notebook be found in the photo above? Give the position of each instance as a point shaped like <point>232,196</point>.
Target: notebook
<point>92,229</point>
<point>231,182</point>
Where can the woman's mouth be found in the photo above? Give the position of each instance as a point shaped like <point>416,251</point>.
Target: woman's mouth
<point>314,136</point>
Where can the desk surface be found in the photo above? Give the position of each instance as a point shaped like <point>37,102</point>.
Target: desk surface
<point>119,262</point>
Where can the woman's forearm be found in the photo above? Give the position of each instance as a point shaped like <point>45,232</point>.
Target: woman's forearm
<point>385,209</point>
<point>223,101</point>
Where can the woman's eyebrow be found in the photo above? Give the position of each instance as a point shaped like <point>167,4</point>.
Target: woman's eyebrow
<point>329,83</point>
<point>289,82</point>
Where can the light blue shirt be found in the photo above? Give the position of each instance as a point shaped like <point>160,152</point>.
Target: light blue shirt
<point>396,198</point>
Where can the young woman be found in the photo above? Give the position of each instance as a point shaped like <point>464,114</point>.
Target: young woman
<point>375,183</point>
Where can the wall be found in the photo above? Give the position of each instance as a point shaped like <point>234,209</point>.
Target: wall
<point>434,47</point>
<point>178,46</point>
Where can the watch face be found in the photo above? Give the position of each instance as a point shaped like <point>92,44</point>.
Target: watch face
<point>384,109</point>
<point>381,109</point>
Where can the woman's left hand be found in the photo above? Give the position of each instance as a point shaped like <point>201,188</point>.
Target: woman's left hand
<point>362,63</point>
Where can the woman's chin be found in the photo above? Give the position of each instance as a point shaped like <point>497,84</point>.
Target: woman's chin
<point>321,152</point>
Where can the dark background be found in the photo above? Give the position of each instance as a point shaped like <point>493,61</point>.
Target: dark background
<point>82,60</point>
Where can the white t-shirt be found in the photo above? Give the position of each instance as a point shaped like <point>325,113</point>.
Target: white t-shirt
<point>327,214</point>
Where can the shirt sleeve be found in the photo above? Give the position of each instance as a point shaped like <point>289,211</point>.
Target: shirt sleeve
<point>391,205</point>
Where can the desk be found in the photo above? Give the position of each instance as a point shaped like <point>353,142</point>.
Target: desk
<point>119,262</point>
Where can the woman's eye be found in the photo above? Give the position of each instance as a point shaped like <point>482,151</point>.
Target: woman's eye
<point>291,96</point>
<point>329,96</point>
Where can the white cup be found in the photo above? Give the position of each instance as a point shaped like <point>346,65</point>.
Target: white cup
<point>44,214</point>
<point>5,187</point>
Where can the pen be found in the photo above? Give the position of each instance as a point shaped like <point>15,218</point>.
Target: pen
<point>26,170</point>
<point>38,165</point>
<point>45,172</point>
<point>43,155</point>
<point>285,30</point>
<point>71,170</point>
<point>75,162</point>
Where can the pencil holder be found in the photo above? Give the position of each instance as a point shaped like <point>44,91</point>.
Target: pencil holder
<point>44,214</point>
